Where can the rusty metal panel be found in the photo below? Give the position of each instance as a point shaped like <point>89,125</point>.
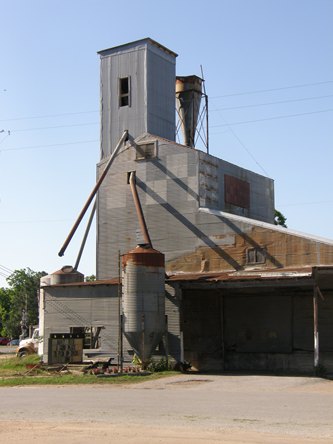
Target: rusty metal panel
<point>258,204</point>
<point>236,191</point>
<point>65,349</point>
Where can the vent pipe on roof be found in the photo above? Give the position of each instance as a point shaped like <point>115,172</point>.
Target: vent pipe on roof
<point>188,99</point>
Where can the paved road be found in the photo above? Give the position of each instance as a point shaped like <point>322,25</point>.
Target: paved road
<point>190,408</point>
<point>8,350</point>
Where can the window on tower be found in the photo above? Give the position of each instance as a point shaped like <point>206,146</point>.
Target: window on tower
<point>124,91</point>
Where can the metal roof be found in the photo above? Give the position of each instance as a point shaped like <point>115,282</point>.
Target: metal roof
<point>113,281</point>
<point>137,43</point>
<point>307,273</point>
<point>265,225</point>
<point>245,275</point>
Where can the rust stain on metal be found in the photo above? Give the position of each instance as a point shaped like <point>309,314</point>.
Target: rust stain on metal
<point>236,191</point>
<point>281,250</point>
<point>144,256</point>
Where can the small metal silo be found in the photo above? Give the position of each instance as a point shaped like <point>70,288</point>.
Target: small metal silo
<point>143,299</point>
<point>66,275</point>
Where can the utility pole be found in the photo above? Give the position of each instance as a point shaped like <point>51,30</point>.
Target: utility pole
<point>24,320</point>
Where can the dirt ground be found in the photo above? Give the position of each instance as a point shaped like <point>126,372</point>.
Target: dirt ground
<point>82,433</point>
<point>183,408</point>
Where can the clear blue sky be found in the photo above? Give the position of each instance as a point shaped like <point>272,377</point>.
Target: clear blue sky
<point>268,67</point>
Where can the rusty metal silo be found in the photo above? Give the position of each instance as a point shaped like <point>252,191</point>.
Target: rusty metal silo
<point>188,99</point>
<point>143,299</point>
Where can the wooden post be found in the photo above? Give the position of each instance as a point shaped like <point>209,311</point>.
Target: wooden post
<point>315,328</point>
<point>166,339</point>
<point>222,329</point>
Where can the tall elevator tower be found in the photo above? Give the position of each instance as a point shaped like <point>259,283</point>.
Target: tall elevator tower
<point>137,92</point>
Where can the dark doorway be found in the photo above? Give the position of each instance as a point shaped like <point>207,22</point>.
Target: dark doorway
<point>202,329</point>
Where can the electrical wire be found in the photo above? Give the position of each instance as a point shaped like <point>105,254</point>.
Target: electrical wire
<point>307,203</point>
<point>273,118</point>
<point>272,103</point>
<point>302,85</point>
<point>4,138</point>
<point>245,147</point>
<point>4,275</point>
<point>32,221</point>
<point>33,147</point>
<point>6,269</point>
<point>54,127</point>
<point>45,116</point>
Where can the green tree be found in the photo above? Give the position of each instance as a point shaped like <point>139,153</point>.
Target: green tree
<point>280,219</point>
<point>90,278</point>
<point>5,302</point>
<point>22,294</point>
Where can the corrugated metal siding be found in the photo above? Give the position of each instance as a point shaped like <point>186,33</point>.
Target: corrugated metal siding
<point>172,310</point>
<point>224,244</point>
<point>160,94</point>
<point>200,241</point>
<point>97,306</point>
<point>89,306</point>
<point>151,71</point>
<point>168,202</point>
<point>212,172</point>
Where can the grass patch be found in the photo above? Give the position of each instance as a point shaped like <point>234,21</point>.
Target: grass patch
<point>21,371</point>
<point>13,365</point>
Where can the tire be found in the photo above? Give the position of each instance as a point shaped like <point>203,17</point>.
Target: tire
<point>22,353</point>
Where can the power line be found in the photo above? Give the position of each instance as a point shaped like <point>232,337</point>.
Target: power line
<point>48,115</point>
<point>6,269</point>
<point>5,272</point>
<point>4,275</point>
<point>307,203</point>
<point>4,138</point>
<point>272,103</point>
<point>302,85</point>
<point>32,221</point>
<point>54,127</point>
<point>273,118</point>
<point>245,147</point>
<point>33,147</point>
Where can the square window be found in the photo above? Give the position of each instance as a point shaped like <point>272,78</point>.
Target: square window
<point>255,256</point>
<point>146,151</point>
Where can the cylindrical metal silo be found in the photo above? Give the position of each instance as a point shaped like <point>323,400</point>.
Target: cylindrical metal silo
<point>66,275</point>
<point>188,99</point>
<point>143,299</point>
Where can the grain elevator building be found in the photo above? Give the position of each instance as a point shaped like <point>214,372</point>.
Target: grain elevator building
<point>240,292</point>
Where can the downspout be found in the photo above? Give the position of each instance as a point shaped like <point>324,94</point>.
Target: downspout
<point>138,208</point>
<point>93,193</point>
